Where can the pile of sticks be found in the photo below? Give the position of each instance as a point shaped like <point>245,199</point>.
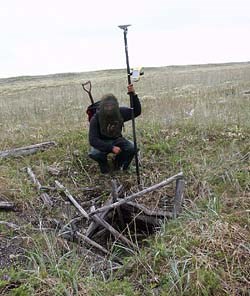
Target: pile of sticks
<point>115,218</point>
<point>121,219</point>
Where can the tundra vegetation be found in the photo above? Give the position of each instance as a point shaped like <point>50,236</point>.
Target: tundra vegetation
<point>195,119</point>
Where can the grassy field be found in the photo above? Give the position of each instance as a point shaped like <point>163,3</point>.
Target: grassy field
<point>195,119</point>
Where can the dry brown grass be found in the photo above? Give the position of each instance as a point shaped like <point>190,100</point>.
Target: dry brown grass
<point>194,119</point>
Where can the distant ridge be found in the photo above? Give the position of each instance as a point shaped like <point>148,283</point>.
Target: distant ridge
<point>74,74</point>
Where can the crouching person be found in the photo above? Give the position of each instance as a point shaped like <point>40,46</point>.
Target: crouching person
<point>105,132</point>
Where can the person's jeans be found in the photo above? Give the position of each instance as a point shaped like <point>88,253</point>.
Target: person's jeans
<point>121,161</point>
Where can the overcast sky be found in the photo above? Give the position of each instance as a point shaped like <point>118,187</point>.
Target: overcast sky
<point>59,36</point>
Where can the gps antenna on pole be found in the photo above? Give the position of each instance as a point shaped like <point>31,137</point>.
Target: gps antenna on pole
<point>125,30</point>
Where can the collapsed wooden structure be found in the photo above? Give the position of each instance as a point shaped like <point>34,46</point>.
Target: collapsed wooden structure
<point>122,219</point>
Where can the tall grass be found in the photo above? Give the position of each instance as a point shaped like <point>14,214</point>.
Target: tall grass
<point>194,119</point>
<point>35,109</point>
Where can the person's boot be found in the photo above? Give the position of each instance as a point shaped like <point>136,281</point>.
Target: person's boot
<point>117,162</point>
<point>104,168</point>
<point>126,163</point>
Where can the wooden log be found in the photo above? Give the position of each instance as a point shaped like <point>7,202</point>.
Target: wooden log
<point>92,201</point>
<point>99,234</point>
<point>120,190</point>
<point>147,219</point>
<point>85,252</point>
<point>178,199</point>
<point>71,198</point>
<point>5,205</point>
<point>34,178</point>
<point>140,193</point>
<point>44,196</point>
<point>66,229</point>
<point>113,231</point>
<point>23,151</point>
<point>148,212</point>
<point>114,192</point>
<point>86,239</point>
<point>47,188</point>
<point>89,188</point>
<point>91,242</point>
<point>9,224</point>
<point>115,195</point>
<point>107,261</point>
<point>93,225</point>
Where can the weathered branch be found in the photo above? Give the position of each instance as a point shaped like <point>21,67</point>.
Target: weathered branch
<point>96,245</point>
<point>9,224</point>
<point>34,178</point>
<point>79,235</point>
<point>91,242</point>
<point>147,219</point>
<point>178,199</point>
<point>99,234</point>
<point>112,230</point>
<point>146,211</point>
<point>89,188</point>
<point>92,201</point>
<point>47,188</point>
<point>71,198</point>
<point>44,196</point>
<point>114,192</point>
<point>115,195</point>
<point>85,251</point>
<point>5,205</point>
<point>140,193</point>
<point>23,151</point>
<point>107,226</point>
<point>93,225</point>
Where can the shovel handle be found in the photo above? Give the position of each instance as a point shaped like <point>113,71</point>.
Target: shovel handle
<point>87,87</point>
